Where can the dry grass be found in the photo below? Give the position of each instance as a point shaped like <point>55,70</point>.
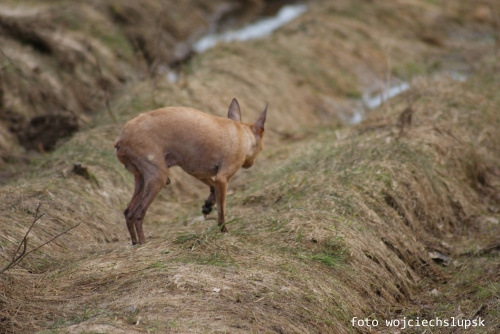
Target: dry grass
<point>329,224</point>
<point>313,243</point>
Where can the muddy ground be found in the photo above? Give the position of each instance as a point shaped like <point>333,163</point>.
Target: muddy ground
<point>336,227</point>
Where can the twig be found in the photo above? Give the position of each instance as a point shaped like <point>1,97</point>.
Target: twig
<point>57,236</point>
<point>479,311</point>
<point>405,120</point>
<point>37,217</point>
<point>16,68</point>
<point>16,259</point>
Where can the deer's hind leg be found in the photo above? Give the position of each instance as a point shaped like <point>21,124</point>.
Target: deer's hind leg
<point>139,186</point>
<point>149,183</point>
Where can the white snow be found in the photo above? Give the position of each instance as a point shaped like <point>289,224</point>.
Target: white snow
<point>254,30</point>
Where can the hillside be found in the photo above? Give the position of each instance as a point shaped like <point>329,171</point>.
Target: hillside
<point>394,217</point>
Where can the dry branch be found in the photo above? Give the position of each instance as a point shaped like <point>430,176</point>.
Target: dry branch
<point>18,257</point>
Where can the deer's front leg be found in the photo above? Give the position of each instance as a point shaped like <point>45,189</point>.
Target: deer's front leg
<point>210,202</point>
<point>220,194</point>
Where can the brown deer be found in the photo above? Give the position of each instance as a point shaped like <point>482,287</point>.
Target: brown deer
<point>210,148</point>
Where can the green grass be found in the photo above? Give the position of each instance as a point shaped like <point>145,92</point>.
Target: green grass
<point>488,290</point>
<point>331,252</point>
<point>74,319</point>
<point>157,264</point>
<point>118,43</point>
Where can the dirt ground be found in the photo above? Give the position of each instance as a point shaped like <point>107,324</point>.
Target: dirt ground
<point>336,229</point>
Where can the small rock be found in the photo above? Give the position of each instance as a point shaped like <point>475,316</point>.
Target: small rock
<point>440,258</point>
<point>131,309</point>
<point>445,244</point>
<point>435,293</point>
<point>217,290</point>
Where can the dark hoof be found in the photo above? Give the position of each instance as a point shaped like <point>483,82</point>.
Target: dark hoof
<point>207,208</point>
<point>224,229</point>
<point>168,181</point>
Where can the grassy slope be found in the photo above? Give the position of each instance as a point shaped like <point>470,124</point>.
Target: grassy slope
<point>322,229</point>
<point>69,58</point>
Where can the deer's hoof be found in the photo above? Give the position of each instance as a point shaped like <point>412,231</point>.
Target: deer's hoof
<point>207,208</point>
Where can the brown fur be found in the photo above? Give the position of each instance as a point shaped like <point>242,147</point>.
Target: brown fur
<point>210,148</point>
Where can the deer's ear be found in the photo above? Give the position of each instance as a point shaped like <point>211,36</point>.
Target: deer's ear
<point>259,124</point>
<point>234,112</point>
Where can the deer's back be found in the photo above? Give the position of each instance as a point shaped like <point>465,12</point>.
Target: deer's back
<point>194,140</point>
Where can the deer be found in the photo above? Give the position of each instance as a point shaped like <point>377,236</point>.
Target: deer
<point>210,148</point>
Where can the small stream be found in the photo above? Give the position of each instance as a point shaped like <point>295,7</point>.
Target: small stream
<point>255,30</point>
<point>370,101</point>
<point>265,26</point>
<point>373,102</point>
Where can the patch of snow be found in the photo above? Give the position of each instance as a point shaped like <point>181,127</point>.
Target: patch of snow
<point>172,76</point>
<point>254,30</point>
<point>377,100</point>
